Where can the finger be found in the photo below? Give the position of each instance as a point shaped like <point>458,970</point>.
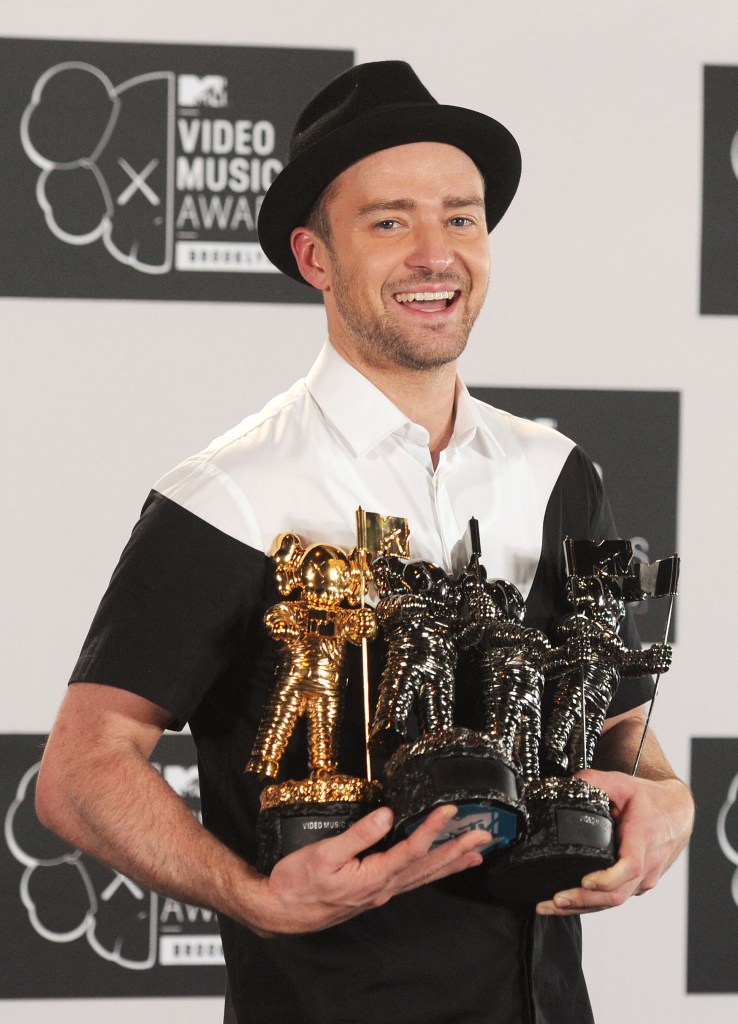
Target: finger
<point>598,891</point>
<point>422,838</point>
<point>549,909</point>
<point>418,844</point>
<point>416,858</point>
<point>362,835</point>
<point>451,863</point>
<point>623,873</point>
<point>583,901</point>
<point>605,888</point>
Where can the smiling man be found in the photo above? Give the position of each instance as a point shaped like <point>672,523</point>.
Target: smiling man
<point>385,207</point>
<point>403,266</point>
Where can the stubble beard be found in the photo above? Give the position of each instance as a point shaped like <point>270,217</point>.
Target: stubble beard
<point>382,340</point>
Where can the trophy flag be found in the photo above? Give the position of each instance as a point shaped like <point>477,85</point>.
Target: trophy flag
<point>375,535</point>
<point>652,579</point>
<point>382,535</point>
<point>593,558</point>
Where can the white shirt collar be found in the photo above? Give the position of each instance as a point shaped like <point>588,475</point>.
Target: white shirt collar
<point>365,416</point>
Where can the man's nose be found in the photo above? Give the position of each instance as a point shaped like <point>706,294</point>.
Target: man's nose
<point>431,249</point>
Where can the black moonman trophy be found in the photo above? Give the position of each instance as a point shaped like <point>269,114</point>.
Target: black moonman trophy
<point>313,625</point>
<point>570,829</point>
<point>423,613</point>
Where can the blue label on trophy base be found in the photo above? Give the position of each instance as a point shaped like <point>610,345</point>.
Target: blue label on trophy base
<point>502,825</point>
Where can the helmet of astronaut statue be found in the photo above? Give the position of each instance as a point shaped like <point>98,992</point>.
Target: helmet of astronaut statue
<point>508,600</point>
<point>325,576</point>
<point>387,574</point>
<point>598,598</point>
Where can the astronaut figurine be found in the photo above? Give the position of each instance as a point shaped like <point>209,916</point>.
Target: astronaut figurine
<point>314,626</point>
<point>418,613</point>
<point>590,659</point>
<point>503,661</point>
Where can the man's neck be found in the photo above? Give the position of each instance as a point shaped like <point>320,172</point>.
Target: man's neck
<point>427,397</point>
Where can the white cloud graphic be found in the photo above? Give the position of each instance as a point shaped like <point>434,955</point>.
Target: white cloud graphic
<point>74,130</point>
<point>728,850</point>
<point>112,918</point>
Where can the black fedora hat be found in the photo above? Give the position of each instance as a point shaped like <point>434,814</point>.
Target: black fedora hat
<point>368,108</point>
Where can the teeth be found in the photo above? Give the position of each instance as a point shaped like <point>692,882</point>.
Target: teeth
<point>423,296</point>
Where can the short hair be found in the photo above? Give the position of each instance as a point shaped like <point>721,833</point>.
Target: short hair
<point>317,220</point>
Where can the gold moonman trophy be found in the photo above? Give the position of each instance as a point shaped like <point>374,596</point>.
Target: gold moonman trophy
<point>313,625</point>
<point>324,610</point>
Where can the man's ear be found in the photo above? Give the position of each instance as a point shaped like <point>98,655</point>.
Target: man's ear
<point>312,258</point>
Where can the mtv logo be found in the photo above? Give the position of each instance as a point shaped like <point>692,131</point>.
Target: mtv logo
<point>183,779</point>
<point>202,91</point>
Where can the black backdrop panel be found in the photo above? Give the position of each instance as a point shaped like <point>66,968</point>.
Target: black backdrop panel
<point>719,293</point>
<point>136,171</point>
<point>713,868</point>
<point>633,437</point>
<point>72,927</point>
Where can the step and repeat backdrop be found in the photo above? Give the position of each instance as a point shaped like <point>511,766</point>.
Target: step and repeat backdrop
<point>132,175</point>
<point>148,158</point>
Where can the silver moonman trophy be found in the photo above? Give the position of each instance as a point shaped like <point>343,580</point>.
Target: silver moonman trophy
<point>570,829</point>
<point>427,617</point>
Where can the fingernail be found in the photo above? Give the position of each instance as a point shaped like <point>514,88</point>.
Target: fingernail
<point>587,883</point>
<point>450,811</point>
<point>383,817</point>
<point>562,901</point>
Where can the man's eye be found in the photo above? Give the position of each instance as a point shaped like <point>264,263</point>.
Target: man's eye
<point>460,222</point>
<point>388,224</point>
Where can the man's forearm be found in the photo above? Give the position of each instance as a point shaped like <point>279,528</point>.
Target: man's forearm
<point>99,792</point>
<point>617,749</point>
<point>115,806</point>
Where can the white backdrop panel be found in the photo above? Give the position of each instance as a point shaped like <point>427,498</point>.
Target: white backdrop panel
<point>595,284</point>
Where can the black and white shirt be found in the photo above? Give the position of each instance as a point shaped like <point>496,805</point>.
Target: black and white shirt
<point>181,624</point>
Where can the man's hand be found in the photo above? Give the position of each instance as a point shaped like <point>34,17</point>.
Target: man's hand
<point>98,790</point>
<point>653,822</point>
<point>327,882</point>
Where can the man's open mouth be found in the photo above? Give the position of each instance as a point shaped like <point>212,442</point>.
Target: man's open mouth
<point>428,302</point>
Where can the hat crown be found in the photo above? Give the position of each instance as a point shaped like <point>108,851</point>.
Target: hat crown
<point>362,90</point>
<point>369,108</point>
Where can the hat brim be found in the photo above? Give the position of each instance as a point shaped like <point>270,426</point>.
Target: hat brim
<point>294,191</point>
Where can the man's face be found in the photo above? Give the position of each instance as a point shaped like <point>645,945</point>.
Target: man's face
<point>408,256</point>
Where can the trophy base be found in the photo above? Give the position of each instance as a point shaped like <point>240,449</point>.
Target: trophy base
<point>570,833</point>
<point>297,814</point>
<point>456,766</point>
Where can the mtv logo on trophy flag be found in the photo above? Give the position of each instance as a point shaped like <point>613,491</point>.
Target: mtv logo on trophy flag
<point>382,535</point>
<point>591,558</point>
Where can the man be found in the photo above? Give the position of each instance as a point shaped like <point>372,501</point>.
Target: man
<point>385,206</point>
